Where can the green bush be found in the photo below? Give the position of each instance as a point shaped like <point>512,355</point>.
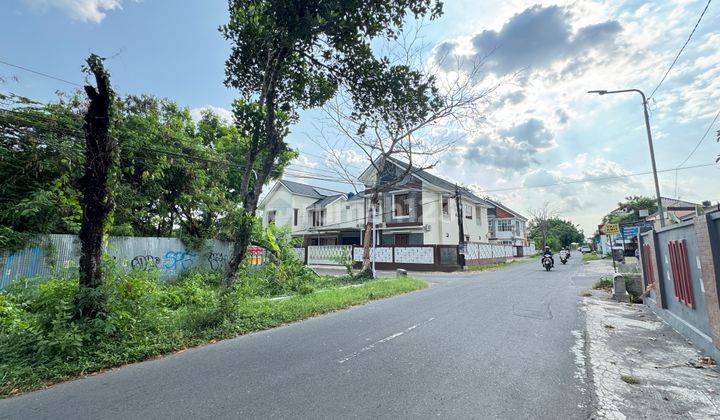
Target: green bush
<point>41,341</point>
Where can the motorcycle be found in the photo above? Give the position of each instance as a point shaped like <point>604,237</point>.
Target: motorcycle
<point>564,256</point>
<point>547,262</point>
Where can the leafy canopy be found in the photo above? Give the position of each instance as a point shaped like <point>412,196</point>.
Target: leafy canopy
<point>628,211</point>
<point>175,176</point>
<point>560,233</point>
<point>301,52</point>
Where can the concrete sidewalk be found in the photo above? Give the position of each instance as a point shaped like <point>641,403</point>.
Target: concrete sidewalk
<point>642,368</point>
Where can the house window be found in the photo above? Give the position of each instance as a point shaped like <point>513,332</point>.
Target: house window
<point>445,207</point>
<point>504,225</point>
<point>401,205</point>
<point>271,216</point>
<point>478,217</point>
<point>318,218</point>
<point>295,217</point>
<point>467,210</point>
<point>682,283</point>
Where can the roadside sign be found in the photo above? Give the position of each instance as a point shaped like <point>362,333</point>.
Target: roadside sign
<point>611,228</point>
<point>462,248</point>
<point>630,231</point>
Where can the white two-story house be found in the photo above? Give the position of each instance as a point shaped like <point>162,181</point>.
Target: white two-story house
<point>318,215</point>
<point>421,209</point>
<point>507,227</point>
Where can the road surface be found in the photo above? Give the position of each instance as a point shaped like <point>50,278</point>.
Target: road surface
<point>497,344</point>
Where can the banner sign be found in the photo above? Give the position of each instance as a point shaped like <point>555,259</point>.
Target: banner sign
<point>630,231</point>
<point>611,228</point>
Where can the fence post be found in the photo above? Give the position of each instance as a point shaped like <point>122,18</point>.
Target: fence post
<point>708,245</point>
<point>660,273</point>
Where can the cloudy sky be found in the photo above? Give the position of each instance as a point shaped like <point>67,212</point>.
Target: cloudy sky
<point>538,128</point>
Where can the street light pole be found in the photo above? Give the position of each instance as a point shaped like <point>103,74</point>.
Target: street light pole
<point>650,145</point>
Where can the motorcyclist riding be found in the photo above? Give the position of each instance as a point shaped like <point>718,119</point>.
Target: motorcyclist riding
<point>565,252</point>
<point>548,253</point>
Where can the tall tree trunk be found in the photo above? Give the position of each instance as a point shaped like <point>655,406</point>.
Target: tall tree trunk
<point>96,200</point>
<point>273,145</point>
<point>243,235</point>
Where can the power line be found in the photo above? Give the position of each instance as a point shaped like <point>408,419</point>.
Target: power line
<point>39,73</point>
<point>681,50</point>
<point>595,179</point>
<point>299,173</point>
<point>307,175</point>
<point>701,140</point>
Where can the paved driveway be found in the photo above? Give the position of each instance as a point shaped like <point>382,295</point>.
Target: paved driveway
<point>489,345</point>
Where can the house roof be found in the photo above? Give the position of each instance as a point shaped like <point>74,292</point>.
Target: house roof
<point>302,189</point>
<point>675,202</point>
<point>323,202</point>
<point>437,181</point>
<point>675,205</point>
<point>507,209</point>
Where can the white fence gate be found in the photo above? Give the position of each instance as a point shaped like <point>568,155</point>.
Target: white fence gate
<point>328,254</point>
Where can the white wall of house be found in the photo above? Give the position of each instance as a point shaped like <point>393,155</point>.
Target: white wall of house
<point>283,203</point>
<point>343,214</point>
<point>444,226</point>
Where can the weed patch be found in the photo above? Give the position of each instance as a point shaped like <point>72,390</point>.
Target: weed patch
<point>41,343</point>
<point>590,256</point>
<point>629,379</point>
<point>605,283</point>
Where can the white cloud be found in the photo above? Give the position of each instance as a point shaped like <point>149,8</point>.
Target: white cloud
<point>82,10</point>
<point>224,114</point>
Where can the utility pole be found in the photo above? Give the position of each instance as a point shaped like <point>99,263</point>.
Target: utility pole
<point>374,236</point>
<point>461,228</point>
<point>650,144</point>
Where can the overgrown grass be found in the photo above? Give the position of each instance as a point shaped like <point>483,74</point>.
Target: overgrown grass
<point>41,343</point>
<point>494,266</point>
<point>590,256</point>
<point>605,283</point>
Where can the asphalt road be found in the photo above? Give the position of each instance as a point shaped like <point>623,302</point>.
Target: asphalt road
<point>486,345</point>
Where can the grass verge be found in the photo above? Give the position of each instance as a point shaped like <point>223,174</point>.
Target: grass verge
<point>33,355</point>
<point>494,266</point>
<point>590,256</point>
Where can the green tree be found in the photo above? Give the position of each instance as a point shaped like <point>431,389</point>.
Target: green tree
<point>40,155</point>
<point>291,55</point>
<point>555,233</point>
<point>628,211</point>
<point>173,180</point>
<point>174,177</point>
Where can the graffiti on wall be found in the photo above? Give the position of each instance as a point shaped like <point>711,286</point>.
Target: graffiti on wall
<point>145,262</point>
<point>217,260</point>
<point>177,260</point>
<point>174,260</point>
